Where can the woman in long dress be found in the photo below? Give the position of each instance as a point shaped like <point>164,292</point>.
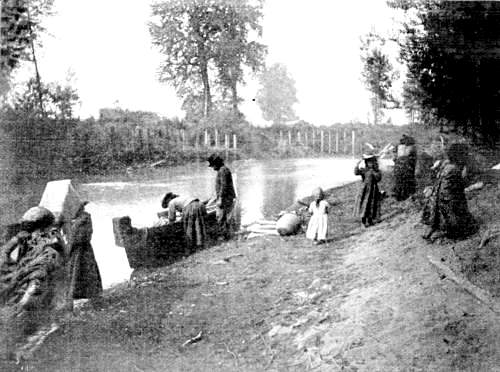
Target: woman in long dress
<point>404,168</point>
<point>446,210</point>
<point>367,204</point>
<point>84,276</point>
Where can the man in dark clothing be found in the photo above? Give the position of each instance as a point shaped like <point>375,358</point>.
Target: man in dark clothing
<point>224,193</point>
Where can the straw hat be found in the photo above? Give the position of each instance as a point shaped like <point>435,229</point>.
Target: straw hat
<point>369,155</point>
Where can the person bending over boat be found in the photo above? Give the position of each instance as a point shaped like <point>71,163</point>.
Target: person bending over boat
<point>224,194</point>
<point>193,219</point>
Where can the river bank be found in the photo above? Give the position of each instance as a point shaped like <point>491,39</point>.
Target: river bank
<point>369,300</point>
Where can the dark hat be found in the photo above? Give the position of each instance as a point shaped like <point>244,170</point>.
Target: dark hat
<point>166,199</point>
<point>215,160</point>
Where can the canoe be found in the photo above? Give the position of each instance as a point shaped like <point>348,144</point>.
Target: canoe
<point>157,245</point>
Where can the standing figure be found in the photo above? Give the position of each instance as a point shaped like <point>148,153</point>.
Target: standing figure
<point>404,168</point>
<point>224,194</point>
<point>367,204</point>
<point>317,228</point>
<point>193,219</point>
<point>446,211</point>
<point>84,276</point>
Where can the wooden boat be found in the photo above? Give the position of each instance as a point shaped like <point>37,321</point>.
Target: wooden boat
<point>157,245</point>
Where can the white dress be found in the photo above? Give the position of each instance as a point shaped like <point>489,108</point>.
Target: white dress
<point>318,224</point>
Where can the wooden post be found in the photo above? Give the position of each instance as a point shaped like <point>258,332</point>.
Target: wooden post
<point>329,141</point>
<point>289,138</point>
<point>345,141</point>
<point>353,143</point>
<point>337,141</point>
<point>207,141</point>
<point>281,138</point>
<point>216,138</point>
<point>305,137</point>
<point>298,137</point>
<point>322,141</point>
<point>235,142</point>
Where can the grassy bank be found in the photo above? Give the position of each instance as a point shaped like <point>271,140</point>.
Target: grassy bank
<point>367,300</point>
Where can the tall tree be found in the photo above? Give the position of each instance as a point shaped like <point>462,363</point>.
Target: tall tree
<point>277,94</point>
<point>239,19</point>
<point>20,26</point>
<point>198,36</point>
<point>377,74</point>
<point>451,51</point>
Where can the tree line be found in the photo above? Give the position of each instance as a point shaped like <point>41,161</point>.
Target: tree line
<point>451,52</point>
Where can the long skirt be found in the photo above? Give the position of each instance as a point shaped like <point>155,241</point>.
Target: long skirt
<point>193,218</point>
<point>85,278</point>
<point>367,204</point>
<point>404,178</point>
<point>317,227</point>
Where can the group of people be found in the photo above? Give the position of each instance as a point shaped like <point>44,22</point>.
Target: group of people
<point>193,211</point>
<point>445,212</point>
<point>43,268</point>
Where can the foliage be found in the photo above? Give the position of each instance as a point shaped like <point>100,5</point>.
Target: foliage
<point>234,49</point>
<point>20,26</point>
<point>200,36</point>
<point>58,101</point>
<point>277,94</point>
<point>377,74</point>
<point>450,49</point>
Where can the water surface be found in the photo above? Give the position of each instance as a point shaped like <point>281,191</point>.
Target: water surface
<point>264,188</point>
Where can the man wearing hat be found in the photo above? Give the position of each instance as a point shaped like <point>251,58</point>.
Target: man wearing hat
<point>224,193</point>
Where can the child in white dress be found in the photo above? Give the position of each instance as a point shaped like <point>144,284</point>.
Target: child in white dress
<point>318,224</point>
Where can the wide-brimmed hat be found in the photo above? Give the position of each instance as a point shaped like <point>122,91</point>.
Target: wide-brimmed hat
<point>166,199</point>
<point>215,160</point>
<point>369,155</point>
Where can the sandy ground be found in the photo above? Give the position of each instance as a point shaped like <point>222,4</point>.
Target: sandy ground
<point>368,300</point>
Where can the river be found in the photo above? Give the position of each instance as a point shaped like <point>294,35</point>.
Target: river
<point>264,188</point>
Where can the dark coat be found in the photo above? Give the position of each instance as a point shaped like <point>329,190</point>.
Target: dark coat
<point>367,204</point>
<point>224,188</point>
<point>447,209</point>
<point>84,276</point>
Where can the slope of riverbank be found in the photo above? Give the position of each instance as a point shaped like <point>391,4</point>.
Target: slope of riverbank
<point>368,300</point>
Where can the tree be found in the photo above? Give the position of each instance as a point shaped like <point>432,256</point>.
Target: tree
<point>450,49</point>
<point>377,74</point>
<point>20,27</point>
<point>234,49</point>
<point>277,94</point>
<point>58,101</point>
<point>200,38</point>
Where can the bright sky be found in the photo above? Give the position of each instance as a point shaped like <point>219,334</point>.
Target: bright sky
<point>105,45</point>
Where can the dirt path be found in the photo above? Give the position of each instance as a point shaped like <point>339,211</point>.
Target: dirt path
<point>369,300</point>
